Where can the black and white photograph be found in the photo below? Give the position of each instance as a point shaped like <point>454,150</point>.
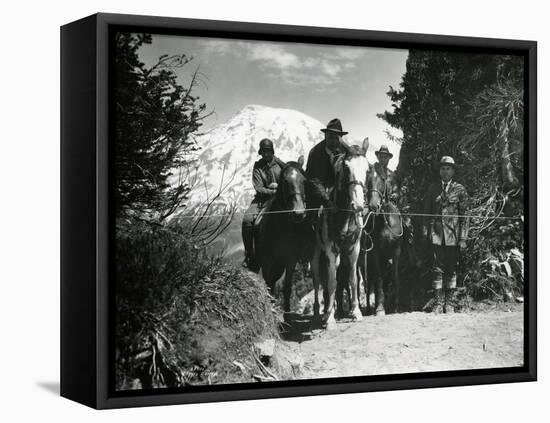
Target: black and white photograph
<point>298,211</point>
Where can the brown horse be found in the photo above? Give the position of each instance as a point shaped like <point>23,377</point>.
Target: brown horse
<point>338,232</point>
<point>384,232</point>
<point>285,236</point>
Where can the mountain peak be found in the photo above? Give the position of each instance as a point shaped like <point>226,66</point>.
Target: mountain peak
<point>230,149</point>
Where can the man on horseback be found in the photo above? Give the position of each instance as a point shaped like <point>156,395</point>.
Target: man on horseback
<point>447,229</point>
<point>265,175</point>
<point>384,234</point>
<point>320,169</point>
<point>381,167</point>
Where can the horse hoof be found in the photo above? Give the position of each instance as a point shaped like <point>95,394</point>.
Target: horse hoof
<point>331,324</point>
<point>380,312</point>
<point>357,316</point>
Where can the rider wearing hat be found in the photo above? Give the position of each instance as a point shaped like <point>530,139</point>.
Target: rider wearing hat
<point>447,230</point>
<point>320,169</point>
<point>381,167</point>
<point>265,175</point>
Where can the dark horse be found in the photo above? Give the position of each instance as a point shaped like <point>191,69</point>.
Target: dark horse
<point>285,237</point>
<point>384,232</point>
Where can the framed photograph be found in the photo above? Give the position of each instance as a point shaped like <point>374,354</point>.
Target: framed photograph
<point>257,211</point>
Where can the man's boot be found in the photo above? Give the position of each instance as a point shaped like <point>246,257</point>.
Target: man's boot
<point>435,305</point>
<point>248,240</point>
<point>450,300</point>
<point>438,301</point>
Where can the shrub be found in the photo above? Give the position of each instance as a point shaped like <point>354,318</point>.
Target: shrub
<point>182,317</point>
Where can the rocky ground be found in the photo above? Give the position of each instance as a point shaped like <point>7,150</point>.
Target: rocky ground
<point>490,337</point>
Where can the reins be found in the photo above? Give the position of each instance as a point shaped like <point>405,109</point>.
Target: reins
<point>385,201</point>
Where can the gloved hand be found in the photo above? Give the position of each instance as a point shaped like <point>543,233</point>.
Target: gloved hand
<point>330,206</point>
<point>425,231</point>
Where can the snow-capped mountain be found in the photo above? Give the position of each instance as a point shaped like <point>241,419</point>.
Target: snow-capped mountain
<point>228,151</point>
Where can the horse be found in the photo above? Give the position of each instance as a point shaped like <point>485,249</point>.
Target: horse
<point>285,237</point>
<point>338,232</point>
<point>384,232</point>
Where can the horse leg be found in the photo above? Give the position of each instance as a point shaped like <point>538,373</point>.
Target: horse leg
<point>367,280</point>
<point>353,282</point>
<point>379,284</point>
<point>333,259</point>
<point>315,262</point>
<point>360,280</point>
<point>323,277</point>
<point>340,286</point>
<point>287,288</point>
<point>396,282</point>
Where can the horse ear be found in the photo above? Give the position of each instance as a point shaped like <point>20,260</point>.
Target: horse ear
<point>365,145</point>
<point>301,161</point>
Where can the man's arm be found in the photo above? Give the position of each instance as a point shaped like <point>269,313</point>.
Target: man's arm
<point>395,187</point>
<point>258,183</point>
<point>314,176</point>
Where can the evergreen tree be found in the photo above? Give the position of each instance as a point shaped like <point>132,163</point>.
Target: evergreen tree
<point>155,119</point>
<point>469,106</point>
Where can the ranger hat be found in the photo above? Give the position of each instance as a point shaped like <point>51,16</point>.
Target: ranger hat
<point>334,126</point>
<point>383,150</point>
<point>447,161</point>
<point>266,145</point>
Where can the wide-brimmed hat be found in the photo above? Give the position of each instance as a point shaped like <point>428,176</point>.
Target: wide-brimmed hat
<point>334,126</point>
<point>383,150</point>
<point>447,161</point>
<point>266,145</point>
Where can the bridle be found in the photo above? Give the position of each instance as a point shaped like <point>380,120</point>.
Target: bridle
<point>383,196</point>
<point>356,182</point>
<point>286,196</point>
<point>353,182</point>
<point>383,201</point>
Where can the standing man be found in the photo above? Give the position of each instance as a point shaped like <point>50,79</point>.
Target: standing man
<point>265,175</point>
<point>381,167</point>
<point>447,230</point>
<point>320,170</point>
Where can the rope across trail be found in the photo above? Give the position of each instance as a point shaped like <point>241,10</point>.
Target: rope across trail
<point>352,211</point>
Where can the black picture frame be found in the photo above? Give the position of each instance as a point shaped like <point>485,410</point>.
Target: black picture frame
<point>86,238</point>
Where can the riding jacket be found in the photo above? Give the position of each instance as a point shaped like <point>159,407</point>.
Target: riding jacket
<point>390,179</point>
<point>451,203</point>
<point>320,174</point>
<point>263,174</point>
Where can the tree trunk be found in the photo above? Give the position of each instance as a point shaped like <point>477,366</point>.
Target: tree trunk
<point>509,179</point>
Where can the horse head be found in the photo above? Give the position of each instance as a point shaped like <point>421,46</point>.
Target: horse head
<point>351,173</point>
<point>376,190</point>
<point>291,190</point>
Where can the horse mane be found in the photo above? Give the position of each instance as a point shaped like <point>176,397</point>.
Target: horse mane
<point>275,205</point>
<point>354,150</point>
<point>294,165</point>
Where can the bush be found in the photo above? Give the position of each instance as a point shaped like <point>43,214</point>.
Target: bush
<point>182,317</point>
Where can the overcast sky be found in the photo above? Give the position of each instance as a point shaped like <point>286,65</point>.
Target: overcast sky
<point>324,82</point>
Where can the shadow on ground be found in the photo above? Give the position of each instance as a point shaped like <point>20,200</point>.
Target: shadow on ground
<point>51,387</point>
<point>298,328</point>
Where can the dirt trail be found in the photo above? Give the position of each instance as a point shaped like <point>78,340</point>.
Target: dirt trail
<point>409,342</point>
